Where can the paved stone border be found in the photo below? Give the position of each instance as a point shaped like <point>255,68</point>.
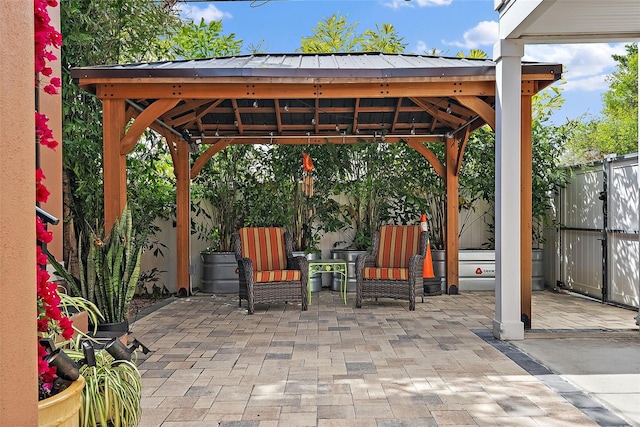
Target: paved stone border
<point>577,397</point>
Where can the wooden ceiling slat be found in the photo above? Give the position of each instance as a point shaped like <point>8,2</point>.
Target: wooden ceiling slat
<point>238,117</point>
<point>278,116</point>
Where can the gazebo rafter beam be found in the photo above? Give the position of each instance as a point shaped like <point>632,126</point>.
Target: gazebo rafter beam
<point>143,121</point>
<point>480,108</point>
<point>390,89</point>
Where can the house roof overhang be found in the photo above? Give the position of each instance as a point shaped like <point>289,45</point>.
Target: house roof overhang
<point>569,21</point>
<point>313,98</point>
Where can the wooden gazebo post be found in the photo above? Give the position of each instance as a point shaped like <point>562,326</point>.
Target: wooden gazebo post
<point>180,154</point>
<point>114,162</point>
<point>526,206</point>
<point>451,183</point>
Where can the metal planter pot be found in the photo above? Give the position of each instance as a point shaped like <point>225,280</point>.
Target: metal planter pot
<point>219,273</point>
<point>316,279</point>
<point>350,257</point>
<point>477,269</point>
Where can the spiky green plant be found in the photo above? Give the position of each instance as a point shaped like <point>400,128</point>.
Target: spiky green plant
<point>110,272</point>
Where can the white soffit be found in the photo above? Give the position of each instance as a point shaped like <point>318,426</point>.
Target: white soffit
<point>564,21</point>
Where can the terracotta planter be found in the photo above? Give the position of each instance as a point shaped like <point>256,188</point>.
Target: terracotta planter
<point>63,409</point>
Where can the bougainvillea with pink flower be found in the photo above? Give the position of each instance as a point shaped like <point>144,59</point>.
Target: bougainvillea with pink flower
<point>51,320</point>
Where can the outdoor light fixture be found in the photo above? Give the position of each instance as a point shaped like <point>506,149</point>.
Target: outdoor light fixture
<point>255,104</point>
<point>449,108</point>
<point>119,351</point>
<point>286,107</point>
<point>313,121</point>
<point>67,368</point>
<point>337,127</point>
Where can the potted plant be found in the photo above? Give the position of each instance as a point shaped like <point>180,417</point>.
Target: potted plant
<point>112,392</point>
<point>108,389</point>
<point>60,396</point>
<point>109,275</point>
<point>218,213</point>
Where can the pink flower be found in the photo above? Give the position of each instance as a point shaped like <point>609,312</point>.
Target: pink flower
<point>50,89</point>
<point>50,319</point>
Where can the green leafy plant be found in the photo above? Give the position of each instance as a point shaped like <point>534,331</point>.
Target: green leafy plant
<point>219,198</point>
<point>364,190</point>
<point>113,388</point>
<point>112,392</point>
<point>109,275</point>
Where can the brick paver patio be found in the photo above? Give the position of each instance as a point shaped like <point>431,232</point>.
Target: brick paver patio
<point>339,366</point>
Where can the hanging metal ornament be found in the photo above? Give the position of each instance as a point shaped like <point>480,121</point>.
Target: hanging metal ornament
<point>307,175</point>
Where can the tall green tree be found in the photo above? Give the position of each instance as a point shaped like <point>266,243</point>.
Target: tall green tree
<point>193,40</point>
<point>335,34</point>
<point>617,130</point>
<point>107,32</point>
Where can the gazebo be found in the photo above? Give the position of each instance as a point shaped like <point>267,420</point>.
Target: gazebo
<point>309,99</point>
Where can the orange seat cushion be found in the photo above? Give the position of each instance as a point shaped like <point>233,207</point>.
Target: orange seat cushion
<point>386,273</point>
<point>276,276</point>
<point>397,244</point>
<point>265,247</point>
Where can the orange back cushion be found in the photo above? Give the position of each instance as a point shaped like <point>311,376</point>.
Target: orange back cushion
<point>265,247</point>
<point>397,244</point>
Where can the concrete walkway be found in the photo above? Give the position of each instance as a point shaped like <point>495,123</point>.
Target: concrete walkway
<point>382,365</point>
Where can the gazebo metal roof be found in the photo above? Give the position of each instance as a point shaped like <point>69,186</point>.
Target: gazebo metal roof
<point>307,98</point>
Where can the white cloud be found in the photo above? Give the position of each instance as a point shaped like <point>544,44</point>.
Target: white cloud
<point>396,4</point>
<point>423,3</point>
<point>588,84</point>
<point>482,35</point>
<point>585,65</point>
<point>208,13</point>
<point>421,47</point>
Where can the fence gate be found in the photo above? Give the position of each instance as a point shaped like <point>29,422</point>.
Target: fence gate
<point>598,238</point>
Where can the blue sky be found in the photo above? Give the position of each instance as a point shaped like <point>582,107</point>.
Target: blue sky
<point>449,26</point>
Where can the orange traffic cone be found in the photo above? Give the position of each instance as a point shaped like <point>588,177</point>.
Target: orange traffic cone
<point>427,269</point>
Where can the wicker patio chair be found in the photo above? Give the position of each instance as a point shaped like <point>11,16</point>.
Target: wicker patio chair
<point>268,272</point>
<point>394,268</point>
